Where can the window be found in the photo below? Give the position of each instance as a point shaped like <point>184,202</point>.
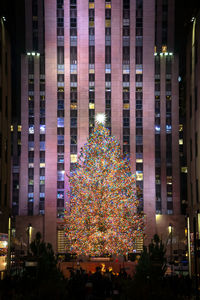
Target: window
<point>60,122</point>
<point>42,145</point>
<point>42,129</point>
<point>61,175</point>
<point>73,158</point>
<point>60,139</point>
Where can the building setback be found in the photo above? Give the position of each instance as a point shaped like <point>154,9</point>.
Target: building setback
<point>88,57</point>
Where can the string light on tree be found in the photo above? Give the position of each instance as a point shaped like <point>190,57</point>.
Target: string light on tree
<point>101,215</point>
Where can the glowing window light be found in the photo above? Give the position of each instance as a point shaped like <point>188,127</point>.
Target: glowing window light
<point>164,48</point>
<point>73,158</point>
<point>126,106</point>
<point>11,128</point>
<point>91,5</point>
<point>183,169</point>
<point>139,160</point>
<point>139,176</point>
<point>19,128</point>
<point>91,105</point>
<point>180,141</point>
<point>108,5</point>
<point>42,165</point>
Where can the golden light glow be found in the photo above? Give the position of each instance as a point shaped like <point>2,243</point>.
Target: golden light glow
<point>91,105</point>
<point>139,160</point>
<point>164,48</point>
<point>183,169</point>
<point>73,158</point>
<point>91,4</point>
<point>180,141</point>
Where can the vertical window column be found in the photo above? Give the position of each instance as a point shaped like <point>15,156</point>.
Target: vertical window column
<point>126,77</point>
<point>139,99</point>
<point>60,109</point>
<point>30,135</point>
<point>91,65</point>
<point>73,83</point>
<point>35,24</point>
<point>42,136</point>
<point>157,137</point>
<point>168,61</point>
<point>108,63</point>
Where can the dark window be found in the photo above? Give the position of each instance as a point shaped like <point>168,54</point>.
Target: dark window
<point>91,54</point>
<point>60,55</point>
<point>138,55</point>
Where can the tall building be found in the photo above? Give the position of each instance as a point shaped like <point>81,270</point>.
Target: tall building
<point>83,58</point>
<point>193,134</point>
<point>5,123</point>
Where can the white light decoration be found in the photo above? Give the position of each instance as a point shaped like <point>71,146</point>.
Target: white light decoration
<point>100,118</point>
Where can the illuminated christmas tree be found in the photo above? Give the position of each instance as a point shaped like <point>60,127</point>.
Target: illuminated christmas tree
<point>101,215</point>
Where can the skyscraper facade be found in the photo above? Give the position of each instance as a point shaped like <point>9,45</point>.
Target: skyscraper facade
<point>192,135</point>
<point>83,58</point>
<point>5,123</point>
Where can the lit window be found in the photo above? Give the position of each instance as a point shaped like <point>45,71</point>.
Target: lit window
<point>183,169</point>
<point>31,129</point>
<point>139,69</point>
<point>108,68</point>
<point>157,128</point>
<point>42,165</point>
<point>169,179</point>
<point>180,141</point>
<point>42,128</point>
<point>91,105</point>
<point>31,182</point>
<point>42,182</point>
<point>30,195</point>
<point>60,122</point>
<point>60,158</point>
<point>126,106</point>
<point>73,158</point>
<point>31,165</point>
<point>108,23</point>
<point>108,5</point>
<point>60,195</point>
<point>91,5</point>
<point>61,175</point>
<point>91,24</point>
<point>164,48</point>
<point>139,175</point>
<point>168,128</point>
<point>180,127</point>
<point>11,127</point>
<point>139,160</point>
<point>19,128</point>
<point>73,105</point>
